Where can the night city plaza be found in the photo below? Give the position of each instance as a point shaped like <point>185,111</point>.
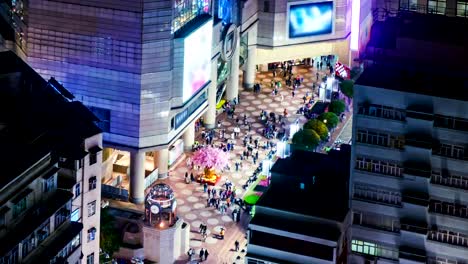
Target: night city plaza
<point>244,131</point>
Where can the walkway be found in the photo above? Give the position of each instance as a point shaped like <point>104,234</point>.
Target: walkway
<point>190,197</point>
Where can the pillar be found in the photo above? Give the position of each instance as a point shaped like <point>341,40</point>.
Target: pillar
<point>137,177</point>
<point>249,72</point>
<point>163,161</point>
<point>232,89</point>
<point>189,136</point>
<point>210,115</point>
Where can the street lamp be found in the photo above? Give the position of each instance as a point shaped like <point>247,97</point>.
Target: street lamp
<point>325,121</point>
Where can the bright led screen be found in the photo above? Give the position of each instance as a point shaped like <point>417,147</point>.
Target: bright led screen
<point>310,19</point>
<point>197,60</point>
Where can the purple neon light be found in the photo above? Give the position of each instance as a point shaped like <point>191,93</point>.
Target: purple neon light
<point>355,17</point>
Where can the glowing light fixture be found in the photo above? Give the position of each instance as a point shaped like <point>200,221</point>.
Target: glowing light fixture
<point>355,17</point>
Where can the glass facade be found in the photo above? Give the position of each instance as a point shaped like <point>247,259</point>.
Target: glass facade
<point>186,10</point>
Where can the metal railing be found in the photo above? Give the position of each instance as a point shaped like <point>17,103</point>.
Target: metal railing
<point>450,181</point>
<point>381,14</point>
<point>448,237</point>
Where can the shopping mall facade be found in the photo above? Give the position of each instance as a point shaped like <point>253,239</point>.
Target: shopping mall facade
<point>150,69</point>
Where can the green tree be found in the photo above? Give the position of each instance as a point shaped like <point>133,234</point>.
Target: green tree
<point>318,126</point>
<point>331,118</point>
<point>337,107</point>
<point>347,88</point>
<point>306,139</point>
<point>110,239</point>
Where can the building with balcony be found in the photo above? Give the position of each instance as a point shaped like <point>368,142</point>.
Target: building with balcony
<point>51,169</point>
<point>303,217</point>
<point>409,160</point>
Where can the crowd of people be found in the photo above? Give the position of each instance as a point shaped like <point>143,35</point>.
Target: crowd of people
<point>224,198</point>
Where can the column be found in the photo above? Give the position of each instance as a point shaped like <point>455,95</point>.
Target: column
<point>137,177</point>
<point>163,161</point>
<point>249,72</point>
<point>232,89</point>
<point>210,115</point>
<point>189,136</point>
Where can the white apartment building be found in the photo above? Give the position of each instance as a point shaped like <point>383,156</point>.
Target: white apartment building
<point>409,192</point>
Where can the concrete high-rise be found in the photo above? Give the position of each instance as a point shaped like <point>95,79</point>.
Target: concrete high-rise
<point>409,161</point>
<point>51,170</point>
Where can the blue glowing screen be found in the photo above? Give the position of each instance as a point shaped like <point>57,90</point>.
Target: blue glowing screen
<point>310,19</point>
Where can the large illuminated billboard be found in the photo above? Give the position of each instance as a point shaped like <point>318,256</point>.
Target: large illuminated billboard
<point>197,60</point>
<point>310,19</point>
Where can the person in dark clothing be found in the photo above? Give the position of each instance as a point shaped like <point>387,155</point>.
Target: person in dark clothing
<point>206,254</point>
<point>236,245</point>
<point>202,254</point>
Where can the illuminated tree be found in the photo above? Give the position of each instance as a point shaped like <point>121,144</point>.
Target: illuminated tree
<point>330,119</point>
<point>318,126</point>
<point>337,107</point>
<point>212,158</point>
<point>347,88</point>
<point>306,139</point>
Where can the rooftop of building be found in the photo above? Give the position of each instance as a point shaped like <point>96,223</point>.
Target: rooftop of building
<point>296,225</point>
<point>35,119</point>
<point>302,182</point>
<point>416,78</point>
<point>428,27</point>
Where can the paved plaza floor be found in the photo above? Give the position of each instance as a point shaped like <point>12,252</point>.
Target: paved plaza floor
<point>192,200</point>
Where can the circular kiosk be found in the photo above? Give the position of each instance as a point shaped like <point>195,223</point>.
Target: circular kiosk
<point>160,207</point>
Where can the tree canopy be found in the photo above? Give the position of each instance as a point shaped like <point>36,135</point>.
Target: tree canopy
<point>332,119</point>
<point>318,126</point>
<point>110,239</point>
<point>337,107</point>
<point>306,138</point>
<point>347,88</point>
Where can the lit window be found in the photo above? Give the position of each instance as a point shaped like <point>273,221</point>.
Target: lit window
<point>91,208</point>
<point>75,216</point>
<point>92,183</point>
<point>91,234</point>
<point>77,190</point>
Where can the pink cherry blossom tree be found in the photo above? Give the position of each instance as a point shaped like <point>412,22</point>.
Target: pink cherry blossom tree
<point>211,158</point>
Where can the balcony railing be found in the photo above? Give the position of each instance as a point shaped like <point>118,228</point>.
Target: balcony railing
<point>448,209</point>
<point>379,199</point>
<point>448,237</point>
<point>373,225</point>
<point>450,181</point>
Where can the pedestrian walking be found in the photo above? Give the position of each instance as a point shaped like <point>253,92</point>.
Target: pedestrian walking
<point>236,245</point>
<point>202,254</point>
<point>206,254</point>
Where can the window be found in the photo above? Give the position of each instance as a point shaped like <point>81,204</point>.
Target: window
<point>92,183</point>
<point>91,234</point>
<point>91,208</point>
<point>92,158</point>
<point>373,249</point>
<point>48,184</point>
<point>90,259</point>
<point>75,242</point>
<point>77,190</point>
<point>436,7</point>
<point>266,6</point>
<point>75,216</point>
<point>104,116</point>
<point>21,203</point>
<point>3,212</point>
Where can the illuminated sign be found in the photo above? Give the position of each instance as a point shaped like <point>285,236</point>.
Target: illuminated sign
<point>230,38</point>
<point>310,19</point>
<point>356,15</point>
<point>197,60</point>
